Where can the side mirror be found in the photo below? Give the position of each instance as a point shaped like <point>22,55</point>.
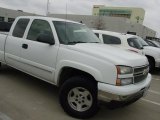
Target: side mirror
<point>46,37</point>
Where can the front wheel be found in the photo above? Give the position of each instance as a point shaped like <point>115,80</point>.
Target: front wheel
<point>78,97</point>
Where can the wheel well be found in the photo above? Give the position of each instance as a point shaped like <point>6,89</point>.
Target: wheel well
<point>150,57</point>
<point>68,72</point>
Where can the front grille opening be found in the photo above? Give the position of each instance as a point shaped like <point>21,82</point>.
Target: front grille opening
<point>140,73</point>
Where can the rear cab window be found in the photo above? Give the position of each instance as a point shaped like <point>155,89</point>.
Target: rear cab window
<point>108,39</point>
<point>20,27</point>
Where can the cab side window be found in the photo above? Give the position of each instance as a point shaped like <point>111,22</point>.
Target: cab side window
<point>111,40</point>
<point>39,27</point>
<point>20,28</point>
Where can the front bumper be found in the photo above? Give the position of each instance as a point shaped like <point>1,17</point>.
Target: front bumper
<point>109,93</point>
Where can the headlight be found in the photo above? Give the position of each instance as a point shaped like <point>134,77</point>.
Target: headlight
<point>124,70</point>
<point>124,81</point>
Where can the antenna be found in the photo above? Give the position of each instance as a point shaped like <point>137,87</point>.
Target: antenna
<point>66,9</point>
<point>66,37</point>
<point>66,21</point>
<point>47,12</point>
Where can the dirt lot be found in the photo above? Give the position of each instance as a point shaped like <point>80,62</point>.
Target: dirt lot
<point>23,97</point>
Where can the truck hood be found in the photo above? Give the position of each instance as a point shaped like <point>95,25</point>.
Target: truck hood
<point>111,54</point>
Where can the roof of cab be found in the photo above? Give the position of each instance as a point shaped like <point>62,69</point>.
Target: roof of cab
<point>114,33</point>
<point>48,18</point>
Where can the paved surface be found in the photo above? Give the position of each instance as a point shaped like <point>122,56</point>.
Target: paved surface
<point>23,97</point>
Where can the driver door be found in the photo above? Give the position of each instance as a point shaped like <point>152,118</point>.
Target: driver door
<point>39,58</point>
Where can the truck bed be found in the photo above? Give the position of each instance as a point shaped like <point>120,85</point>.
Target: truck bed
<point>3,36</point>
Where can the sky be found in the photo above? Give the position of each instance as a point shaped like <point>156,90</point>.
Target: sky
<point>84,7</point>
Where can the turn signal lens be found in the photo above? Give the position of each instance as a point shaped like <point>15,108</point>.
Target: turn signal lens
<point>133,51</point>
<point>118,82</point>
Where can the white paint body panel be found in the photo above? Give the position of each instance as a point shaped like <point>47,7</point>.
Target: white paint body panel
<point>125,90</point>
<point>46,61</point>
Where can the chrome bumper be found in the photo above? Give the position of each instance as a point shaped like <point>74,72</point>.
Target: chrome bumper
<point>109,93</point>
<point>108,97</point>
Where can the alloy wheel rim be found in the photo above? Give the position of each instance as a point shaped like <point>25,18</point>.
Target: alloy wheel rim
<point>80,99</point>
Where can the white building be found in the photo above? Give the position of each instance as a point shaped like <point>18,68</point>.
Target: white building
<point>115,24</point>
<point>8,15</point>
<point>134,14</point>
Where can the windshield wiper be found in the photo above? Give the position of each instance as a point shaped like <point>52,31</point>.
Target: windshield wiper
<point>75,42</point>
<point>94,42</point>
<point>145,45</point>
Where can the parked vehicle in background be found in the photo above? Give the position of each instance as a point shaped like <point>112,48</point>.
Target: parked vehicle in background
<point>69,55</point>
<point>119,40</point>
<point>153,43</point>
<point>132,43</point>
<point>152,53</point>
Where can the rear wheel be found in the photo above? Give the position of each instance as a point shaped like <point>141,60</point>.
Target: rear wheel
<point>78,97</point>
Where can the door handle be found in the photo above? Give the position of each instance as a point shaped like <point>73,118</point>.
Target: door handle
<point>25,46</point>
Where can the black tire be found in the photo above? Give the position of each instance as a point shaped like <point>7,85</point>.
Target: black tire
<point>151,64</point>
<point>81,83</point>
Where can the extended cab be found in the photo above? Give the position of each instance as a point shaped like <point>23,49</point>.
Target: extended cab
<point>132,43</point>
<point>69,55</point>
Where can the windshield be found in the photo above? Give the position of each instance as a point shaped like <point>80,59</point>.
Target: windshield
<point>72,33</point>
<point>156,43</point>
<point>143,43</point>
<point>134,42</point>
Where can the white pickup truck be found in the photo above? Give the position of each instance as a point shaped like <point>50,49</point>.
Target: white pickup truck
<point>69,55</point>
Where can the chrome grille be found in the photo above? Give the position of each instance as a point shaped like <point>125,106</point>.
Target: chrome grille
<point>140,73</point>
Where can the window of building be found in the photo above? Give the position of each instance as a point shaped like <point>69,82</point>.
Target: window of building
<point>107,39</point>
<point>20,28</point>
<point>38,27</point>
<point>1,19</point>
<point>116,13</point>
<point>11,20</point>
